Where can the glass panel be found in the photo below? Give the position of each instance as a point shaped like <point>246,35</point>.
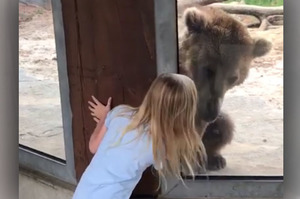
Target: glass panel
<point>216,52</point>
<point>40,117</point>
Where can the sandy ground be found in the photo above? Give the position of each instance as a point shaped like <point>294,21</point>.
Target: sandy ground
<point>256,106</point>
<point>40,120</point>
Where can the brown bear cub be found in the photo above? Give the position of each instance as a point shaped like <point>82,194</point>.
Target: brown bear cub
<point>216,52</point>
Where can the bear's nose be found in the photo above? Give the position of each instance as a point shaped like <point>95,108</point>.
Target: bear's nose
<point>213,109</point>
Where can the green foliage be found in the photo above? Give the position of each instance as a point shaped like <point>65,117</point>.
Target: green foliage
<point>262,2</point>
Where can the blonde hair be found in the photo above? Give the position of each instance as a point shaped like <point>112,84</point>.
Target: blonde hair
<point>169,110</point>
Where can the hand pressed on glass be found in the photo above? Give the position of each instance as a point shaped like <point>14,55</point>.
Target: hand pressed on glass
<point>98,110</point>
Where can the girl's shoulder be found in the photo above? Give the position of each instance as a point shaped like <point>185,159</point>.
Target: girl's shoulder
<point>122,110</point>
<point>119,112</point>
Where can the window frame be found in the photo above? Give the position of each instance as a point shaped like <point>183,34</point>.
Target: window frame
<point>35,160</point>
<point>167,61</point>
<point>204,185</point>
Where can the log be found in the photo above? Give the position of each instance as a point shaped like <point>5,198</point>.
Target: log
<point>183,6</point>
<point>207,2</point>
<point>254,25</point>
<point>258,11</point>
<point>264,24</point>
<point>276,20</point>
<point>263,14</point>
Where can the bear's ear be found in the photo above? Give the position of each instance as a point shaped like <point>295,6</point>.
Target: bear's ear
<point>195,19</point>
<point>261,47</point>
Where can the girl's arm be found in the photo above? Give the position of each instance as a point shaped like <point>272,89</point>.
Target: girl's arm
<point>97,136</point>
<point>99,113</point>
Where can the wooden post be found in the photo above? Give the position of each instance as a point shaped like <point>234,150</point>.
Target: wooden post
<point>110,48</point>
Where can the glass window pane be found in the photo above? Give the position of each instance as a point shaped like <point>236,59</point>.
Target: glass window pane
<point>40,118</point>
<point>217,55</point>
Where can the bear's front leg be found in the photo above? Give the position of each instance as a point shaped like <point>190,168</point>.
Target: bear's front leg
<point>217,134</point>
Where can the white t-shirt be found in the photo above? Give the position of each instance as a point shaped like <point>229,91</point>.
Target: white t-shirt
<point>116,168</point>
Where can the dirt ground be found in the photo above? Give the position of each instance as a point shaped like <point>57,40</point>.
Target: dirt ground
<point>256,106</point>
<point>40,120</point>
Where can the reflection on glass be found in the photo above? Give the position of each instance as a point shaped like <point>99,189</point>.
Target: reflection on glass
<point>214,55</point>
<point>40,118</point>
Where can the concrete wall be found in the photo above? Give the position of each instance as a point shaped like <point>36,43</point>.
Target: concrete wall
<point>31,187</point>
<point>35,187</point>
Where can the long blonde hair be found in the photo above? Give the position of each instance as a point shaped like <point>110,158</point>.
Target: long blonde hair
<point>169,110</point>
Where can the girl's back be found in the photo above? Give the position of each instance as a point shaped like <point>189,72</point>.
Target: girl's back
<point>118,165</point>
<point>168,110</point>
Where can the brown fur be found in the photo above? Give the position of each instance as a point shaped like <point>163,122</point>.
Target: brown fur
<point>216,52</point>
<point>216,136</point>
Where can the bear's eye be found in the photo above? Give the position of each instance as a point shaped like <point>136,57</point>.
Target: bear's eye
<point>209,73</point>
<point>232,80</point>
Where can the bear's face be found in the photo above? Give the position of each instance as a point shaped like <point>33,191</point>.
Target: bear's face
<point>216,52</point>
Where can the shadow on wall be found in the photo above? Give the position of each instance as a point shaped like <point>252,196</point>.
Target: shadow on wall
<point>42,3</point>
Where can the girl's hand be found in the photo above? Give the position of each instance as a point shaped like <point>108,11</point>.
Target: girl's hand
<point>98,110</point>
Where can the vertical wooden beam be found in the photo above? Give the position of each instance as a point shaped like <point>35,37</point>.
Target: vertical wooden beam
<point>110,48</point>
<point>74,65</point>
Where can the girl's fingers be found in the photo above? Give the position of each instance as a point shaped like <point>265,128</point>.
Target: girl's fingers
<point>91,109</point>
<point>95,100</point>
<point>93,114</point>
<point>96,119</point>
<point>109,102</point>
<point>92,104</point>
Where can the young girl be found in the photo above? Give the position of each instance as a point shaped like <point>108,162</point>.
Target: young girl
<point>160,132</point>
